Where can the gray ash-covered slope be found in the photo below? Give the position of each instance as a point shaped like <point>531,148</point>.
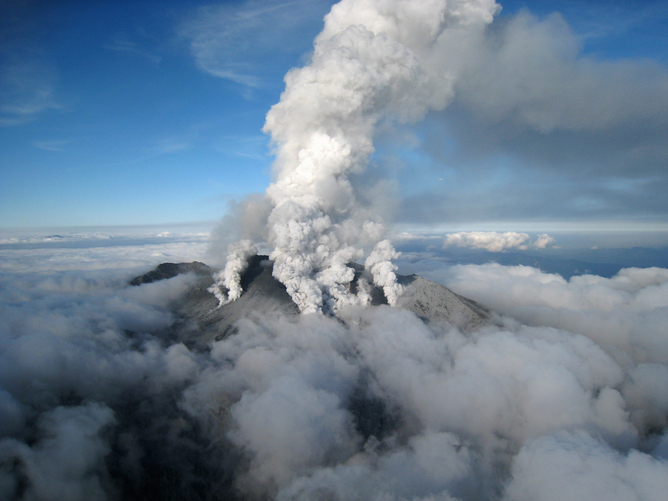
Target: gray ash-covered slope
<point>202,321</point>
<point>434,302</point>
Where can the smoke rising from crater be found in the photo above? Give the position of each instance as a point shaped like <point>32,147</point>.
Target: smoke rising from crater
<point>374,62</point>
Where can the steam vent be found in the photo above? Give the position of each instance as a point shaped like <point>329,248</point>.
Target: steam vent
<point>202,320</point>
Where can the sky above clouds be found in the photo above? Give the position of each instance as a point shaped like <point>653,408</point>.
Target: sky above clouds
<point>147,113</point>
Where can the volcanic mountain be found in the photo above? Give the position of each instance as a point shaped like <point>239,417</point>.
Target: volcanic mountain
<point>201,320</point>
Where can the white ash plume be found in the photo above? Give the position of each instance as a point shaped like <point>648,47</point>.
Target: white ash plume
<point>230,276</point>
<point>373,62</point>
<point>379,263</point>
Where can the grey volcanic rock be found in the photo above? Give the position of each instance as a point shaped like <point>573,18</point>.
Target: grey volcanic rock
<point>433,302</point>
<point>169,270</point>
<point>201,320</point>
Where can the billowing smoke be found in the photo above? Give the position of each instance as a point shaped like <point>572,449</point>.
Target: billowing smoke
<point>374,62</point>
<point>230,276</point>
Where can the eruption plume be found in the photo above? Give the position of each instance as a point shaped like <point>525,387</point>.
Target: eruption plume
<point>230,276</point>
<point>374,62</point>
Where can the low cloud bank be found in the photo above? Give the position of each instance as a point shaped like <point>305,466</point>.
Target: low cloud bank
<point>628,311</point>
<point>91,251</point>
<point>496,242</point>
<point>99,400</point>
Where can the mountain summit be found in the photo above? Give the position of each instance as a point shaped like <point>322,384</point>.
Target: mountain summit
<point>201,320</point>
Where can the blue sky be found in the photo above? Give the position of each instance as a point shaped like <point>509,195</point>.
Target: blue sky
<point>130,113</point>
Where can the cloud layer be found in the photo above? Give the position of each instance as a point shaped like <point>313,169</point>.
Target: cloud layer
<point>99,399</point>
<point>496,242</point>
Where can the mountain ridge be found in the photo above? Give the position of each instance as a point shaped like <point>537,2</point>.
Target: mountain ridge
<point>201,320</point>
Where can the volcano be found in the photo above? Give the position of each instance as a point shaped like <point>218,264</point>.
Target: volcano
<point>201,320</point>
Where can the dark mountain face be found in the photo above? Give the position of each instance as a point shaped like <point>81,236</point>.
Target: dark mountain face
<point>169,270</point>
<point>202,321</point>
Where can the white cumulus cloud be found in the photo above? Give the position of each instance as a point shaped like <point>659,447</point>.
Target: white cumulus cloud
<point>496,242</point>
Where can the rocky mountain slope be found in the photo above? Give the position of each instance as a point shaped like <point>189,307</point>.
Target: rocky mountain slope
<point>202,321</point>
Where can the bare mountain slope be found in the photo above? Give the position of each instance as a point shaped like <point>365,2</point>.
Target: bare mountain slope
<point>433,302</point>
<point>202,321</point>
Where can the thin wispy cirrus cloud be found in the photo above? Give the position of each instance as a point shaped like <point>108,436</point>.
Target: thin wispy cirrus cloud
<point>241,41</point>
<point>27,89</point>
<point>52,145</point>
<point>172,144</point>
<point>249,146</point>
<point>122,42</point>
<point>598,22</point>
<point>28,75</point>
